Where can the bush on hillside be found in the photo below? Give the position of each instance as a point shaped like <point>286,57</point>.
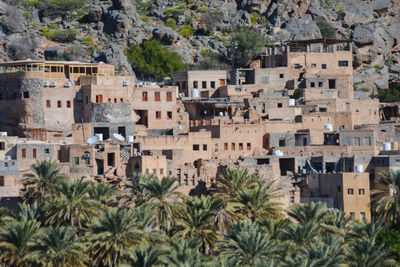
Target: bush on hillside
<point>153,59</point>
<point>68,5</point>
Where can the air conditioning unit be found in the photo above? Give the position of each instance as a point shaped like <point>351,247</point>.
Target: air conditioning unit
<point>67,84</point>
<point>86,155</point>
<point>53,84</point>
<point>125,83</point>
<point>46,84</point>
<point>202,130</point>
<point>3,134</point>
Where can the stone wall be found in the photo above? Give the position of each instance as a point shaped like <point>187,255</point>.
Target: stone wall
<point>115,112</point>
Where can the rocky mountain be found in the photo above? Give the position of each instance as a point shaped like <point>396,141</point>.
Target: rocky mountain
<point>101,29</point>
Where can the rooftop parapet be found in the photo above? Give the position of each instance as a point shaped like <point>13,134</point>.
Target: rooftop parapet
<point>322,45</point>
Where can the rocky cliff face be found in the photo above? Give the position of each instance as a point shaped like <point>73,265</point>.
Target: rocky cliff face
<point>103,29</point>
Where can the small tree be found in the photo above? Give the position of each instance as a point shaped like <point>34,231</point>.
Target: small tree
<point>153,59</point>
<point>246,44</point>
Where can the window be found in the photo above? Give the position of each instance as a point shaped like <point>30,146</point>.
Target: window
<point>144,96</point>
<point>157,96</point>
<point>2,146</point>
<point>26,94</point>
<point>367,141</point>
<point>332,84</point>
<point>196,147</point>
<point>14,95</point>
<point>76,160</point>
<point>297,66</point>
<point>194,84</point>
<point>169,96</point>
<point>320,84</point>
<point>169,115</point>
<point>356,141</point>
<point>161,171</point>
<point>23,153</point>
<point>213,85</point>
<point>240,146</point>
<point>361,191</point>
<point>343,63</point>
<point>115,100</point>
<point>154,171</point>
<point>323,66</point>
<point>47,151</point>
<point>352,216</point>
<point>279,105</point>
<point>68,104</point>
<point>1,96</point>
<point>350,191</point>
<point>205,147</point>
<point>109,100</point>
<point>34,153</point>
<point>87,161</point>
<point>233,146</point>
<point>99,99</point>
<point>282,142</point>
<point>281,75</point>
<point>203,84</point>
<point>313,65</point>
<point>362,215</point>
<point>59,105</point>
<point>87,99</point>
<point>158,115</point>
<point>248,146</point>
<point>147,171</point>
<point>48,104</point>
<point>225,146</point>
<point>312,85</point>
<point>121,99</point>
<point>339,188</point>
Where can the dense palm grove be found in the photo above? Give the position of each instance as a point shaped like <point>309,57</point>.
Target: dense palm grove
<point>81,223</point>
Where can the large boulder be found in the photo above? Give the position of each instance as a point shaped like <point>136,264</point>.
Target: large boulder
<point>363,35</point>
<point>95,14</point>
<point>115,22</point>
<point>166,35</point>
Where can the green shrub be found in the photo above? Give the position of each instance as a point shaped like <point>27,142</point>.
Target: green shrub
<point>254,18</point>
<point>175,11</point>
<point>170,22</point>
<point>35,3</point>
<point>327,31</point>
<point>143,7</point>
<point>44,31</point>
<point>68,5</point>
<point>151,58</point>
<point>203,9</point>
<point>64,36</point>
<point>340,10</point>
<point>146,19</point>
<point>87,40</point>
<point>27,15</point>
<point>205,52</point>
<point>186,31</point>
<point>53,26</point>
<point>391,239</point>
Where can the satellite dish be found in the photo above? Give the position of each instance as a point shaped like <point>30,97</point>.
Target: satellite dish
<point>109,116</point>
<point>119,137</point>
<point>93,139</point>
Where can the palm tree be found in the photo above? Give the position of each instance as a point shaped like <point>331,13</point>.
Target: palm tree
<point>44,180</point>
<point>328,251</point>
<point>112,236</point>
<point>300,235</point>
<point>197,220</point>
<point>273,227</point>
<point>134,192</point>
<point>146,256</point>
<point>309,213</point>
<point>16,240</point>
<point>162,199</point>
<point>337,223</point>
<point>58,246</point>
<point>364,229</point>
<point>183,252</point>
<point>104,193</point>
<point>386,203</point>
<point>72,206</point>
<point>258,202</point>
<point>366,252</point>
<point>245,244</point>
<point>233,180</point>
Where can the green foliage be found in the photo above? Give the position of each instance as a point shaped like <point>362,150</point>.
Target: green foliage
<point>203,9</point>
<point>87,40</point>
<point>391,239</point>
<point>186,31</point>
<point>388,95</point>
<point>327,31</point>
<point>246,44</point>
<point>254,18</point>
<point>340,10</point>
<point>170,22</point>
<point>35,3</point>
<point>64,36</point>
<point>152,58</point>
<point>143,7</point>
<point>27,15</point>
<point>68,5</point>
<point>175,11</point>
<point>146,19</point>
